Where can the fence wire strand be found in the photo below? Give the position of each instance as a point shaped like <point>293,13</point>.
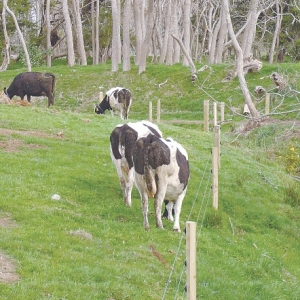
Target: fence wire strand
<point>183,235</point>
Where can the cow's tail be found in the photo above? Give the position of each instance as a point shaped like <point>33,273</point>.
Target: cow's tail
<point>148,173</point>
<point>150,181</point>
<point>53,86</point>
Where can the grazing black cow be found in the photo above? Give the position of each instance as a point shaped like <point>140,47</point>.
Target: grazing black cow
<point>117,100</point>
<point>122,140</point>
<point>161,171</point>
<point>32,84</point>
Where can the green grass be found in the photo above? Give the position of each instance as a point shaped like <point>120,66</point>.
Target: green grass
<point>248,249</point>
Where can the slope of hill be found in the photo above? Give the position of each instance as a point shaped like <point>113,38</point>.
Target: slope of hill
<point>89,245</point>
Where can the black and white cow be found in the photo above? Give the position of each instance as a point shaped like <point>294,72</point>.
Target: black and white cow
<point>122,140</point>
<point>162,172</point>
<point>117,100</point>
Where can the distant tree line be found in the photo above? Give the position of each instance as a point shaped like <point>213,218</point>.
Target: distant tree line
<point>166,31</point>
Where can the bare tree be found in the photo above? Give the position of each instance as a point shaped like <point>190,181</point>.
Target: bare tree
<point>167,29</point>
<point>186,30</point>
<point>48,35</point>
<point>147,39</point>
<point>20,36</point>
<point>126,36</point>
<point>95,31</point>
<point>222,34</point>
<point>250,29</point>
<point>116,34</point>
<point>239,63</point>
<point>69,35</point>
<point>6,59</point>
<point>138,14</point>
<point>79,33</point>
<point>277,30</point>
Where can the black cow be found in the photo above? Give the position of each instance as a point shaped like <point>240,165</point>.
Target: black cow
<point>32,84</point>
<point>117,100</point>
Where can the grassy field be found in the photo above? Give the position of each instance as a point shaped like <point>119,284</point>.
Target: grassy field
<point>89,245</point>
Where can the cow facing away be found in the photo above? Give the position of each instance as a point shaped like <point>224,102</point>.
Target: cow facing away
<point>117,100</point>
<point>122,140</point>
<point>162,172</point>
<point>32,84</point>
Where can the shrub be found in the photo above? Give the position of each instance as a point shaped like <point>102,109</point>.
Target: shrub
<point>292,194</point>
<point>292,159</point>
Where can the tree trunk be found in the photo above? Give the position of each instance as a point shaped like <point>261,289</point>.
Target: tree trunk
<point>147,39</point>
<point>191,64</point>
<point>20,37</point>
<point>213,44</point>
<point>240,63</point>
<point>221,37</point>
<point>68,29</point>
<point>6,59</point>
<point>93,3</point>
<point>138,14</point>
<point>126,36</point>
<point>80,41</point>
<point>186,30</point>
<point>97,47</point>
<point>277,31</point>
<point>250,30</point>
<point>116,35</point>
<point>48,35</point>
<point>167,18</point>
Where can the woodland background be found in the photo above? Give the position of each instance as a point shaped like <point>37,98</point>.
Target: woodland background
<point>170,31</point>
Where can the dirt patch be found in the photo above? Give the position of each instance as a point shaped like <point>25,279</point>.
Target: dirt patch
<point>5,132</point>
<point>12,145</point>
<point>8,272</point>
<point>15,145</point>
<point>7,222</point>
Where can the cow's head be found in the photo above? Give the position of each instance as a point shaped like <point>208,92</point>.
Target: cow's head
<point>98,109</point>
<point>5,92</point>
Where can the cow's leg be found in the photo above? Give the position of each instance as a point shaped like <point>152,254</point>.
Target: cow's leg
<point>169,208</point>
<point>120,172</point>
<point>28,98</point>
<point>144,197</point>
<point>177,208</point>
<point>129,184</point>
<point>50,99</point>
<point>159,198</point>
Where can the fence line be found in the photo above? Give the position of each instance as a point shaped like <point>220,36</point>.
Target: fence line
<point>183,235</point>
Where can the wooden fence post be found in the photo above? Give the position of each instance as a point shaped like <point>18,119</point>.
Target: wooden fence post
<point>150,111</point>
<point>100,96</point>
<point>191,260</point>
<point>158,111</point>
<point>267,104</point>
<point>215,113</point>
<point>217,143</point>
<point>206,115</point>
<point>222,111</point>
<point>215,182</point>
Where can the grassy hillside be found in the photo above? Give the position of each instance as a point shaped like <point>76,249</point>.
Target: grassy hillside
<point>88,245</point>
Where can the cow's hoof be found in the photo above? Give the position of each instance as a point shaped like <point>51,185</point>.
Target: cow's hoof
<point>176,229</point>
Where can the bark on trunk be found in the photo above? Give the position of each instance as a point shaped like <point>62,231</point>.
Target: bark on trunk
<point>20,37</point>
<point>239,63</point>
<point>6,59</point>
